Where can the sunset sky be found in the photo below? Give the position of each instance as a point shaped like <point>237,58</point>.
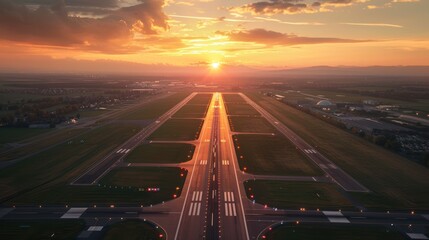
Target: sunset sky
<point>261,34</point>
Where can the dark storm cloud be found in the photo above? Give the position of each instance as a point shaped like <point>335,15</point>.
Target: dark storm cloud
<point>51,25</point>
<point>272,38</point>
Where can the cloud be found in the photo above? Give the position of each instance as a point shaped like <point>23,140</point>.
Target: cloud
<point>272,38</point>
<point>54,26</point>
<point>374,25</point>
<point>219,19</point>
<point>271,7</point>
<point>405,1</point>
<point>81,3</point>
<point>289,23</point>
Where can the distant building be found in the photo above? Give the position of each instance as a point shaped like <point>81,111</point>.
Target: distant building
<point>279,97</point>
<point>369,125</point>
<point>325,105</point>
<point>388,107</point>
<point>370,102</point>
<point>414,119</point>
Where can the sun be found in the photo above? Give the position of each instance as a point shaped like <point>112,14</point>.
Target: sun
<point>215,65</point>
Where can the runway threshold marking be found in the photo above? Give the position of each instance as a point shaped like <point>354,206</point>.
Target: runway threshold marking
<point>230,209</point>
<point>225,162</point>
<point>95,228</point>
<point>417,236</point>
<point>74,213</point>
<point>336,217</point>
<point>123,150</point>
<point>203,162</point>
<point>195,207</point>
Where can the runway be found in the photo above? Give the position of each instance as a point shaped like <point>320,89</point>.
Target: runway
<point>213,203</point>
<point>97,171</point>
<point>219,213</point>
<point>339,176</point>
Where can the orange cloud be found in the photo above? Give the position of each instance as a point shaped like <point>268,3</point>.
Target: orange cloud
<point>54,26</point>
<point>272,38</point>
<point>271,7</point>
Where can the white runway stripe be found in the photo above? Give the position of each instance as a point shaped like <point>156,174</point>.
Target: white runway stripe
<point>338,220</point>
<point>230,210</point>
<point>234,212</point>
<point>127,151</point>
<point>119,150</point>
<point>333,213</point>
<point>332,166</point>
<point>190,209</point>
<point>198,210</point>
<point>74,213</point>
<point>201,196</point>
<point>417,236</point>
<point>195,207</point>
<point>95,228</point>
<point>232,197</point>
<point>194,213</point>
<point>226,209</point>
<point>323,166</point>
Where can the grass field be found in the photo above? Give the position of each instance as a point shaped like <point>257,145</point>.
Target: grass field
<point>41,229</point>
<point>232,98</point>
<point>120,186</point>
<point>395,182</point>
<point>64,160</point>
<point>250,124</point>
<point>309,231</point>
<point>155,109</point>
<point>240,109</point>
<point>272,155</point>
<point>201,98</point>
<point>161,153</point>
<point>192,111</point>
<point>10,135</point>
<point>133,230</point>
<point>296,195</point>
<point>178,130</point>
<point>54,137</point>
